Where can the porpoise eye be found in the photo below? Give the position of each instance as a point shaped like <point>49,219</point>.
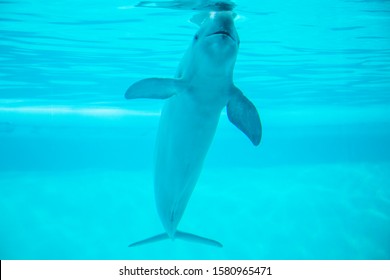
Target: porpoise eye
<point>196,37</point>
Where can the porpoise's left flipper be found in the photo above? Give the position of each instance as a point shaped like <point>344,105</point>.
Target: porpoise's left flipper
<point>179,235</point>
<point>154,88</point>
<point>243,114</point>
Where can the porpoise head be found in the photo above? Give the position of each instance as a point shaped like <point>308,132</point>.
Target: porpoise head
<point>215,45</point>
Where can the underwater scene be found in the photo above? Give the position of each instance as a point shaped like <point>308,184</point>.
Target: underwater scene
<point>114,131</point>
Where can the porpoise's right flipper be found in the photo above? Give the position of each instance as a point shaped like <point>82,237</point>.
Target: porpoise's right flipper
<point>179,235</point>
<point>154,88</point>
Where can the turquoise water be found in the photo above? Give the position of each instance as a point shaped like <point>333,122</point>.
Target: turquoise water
<point>76,158</point>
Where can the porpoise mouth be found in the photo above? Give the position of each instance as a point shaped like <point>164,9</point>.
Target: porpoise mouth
<point>222,32</point>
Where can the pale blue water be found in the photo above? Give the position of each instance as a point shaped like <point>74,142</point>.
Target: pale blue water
<point>76,159</point>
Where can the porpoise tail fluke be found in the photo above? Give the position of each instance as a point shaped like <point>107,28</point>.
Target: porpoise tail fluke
<point>152,239</point>
<point>179,235</point>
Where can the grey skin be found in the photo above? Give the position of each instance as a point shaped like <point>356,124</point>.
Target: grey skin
<point>202,87</point>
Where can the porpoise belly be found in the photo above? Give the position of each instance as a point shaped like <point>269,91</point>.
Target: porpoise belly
<point>185,133</point>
